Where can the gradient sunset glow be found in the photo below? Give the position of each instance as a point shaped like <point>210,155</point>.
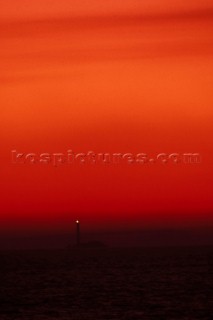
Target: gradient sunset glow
<point>106,76</point>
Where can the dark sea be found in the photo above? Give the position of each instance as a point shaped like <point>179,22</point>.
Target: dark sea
<point>107,283</point>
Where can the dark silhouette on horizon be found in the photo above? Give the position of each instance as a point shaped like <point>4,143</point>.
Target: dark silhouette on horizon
<point>88,244</point>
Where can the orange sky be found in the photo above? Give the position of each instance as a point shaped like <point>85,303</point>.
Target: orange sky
<point>107,76</point>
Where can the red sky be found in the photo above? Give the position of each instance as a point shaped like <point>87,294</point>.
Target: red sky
<point>107,76</point>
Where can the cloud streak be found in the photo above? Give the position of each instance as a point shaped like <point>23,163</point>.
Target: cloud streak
<point>78,40</point>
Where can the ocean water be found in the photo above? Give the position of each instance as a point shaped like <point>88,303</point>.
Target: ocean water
<point>110,283</point>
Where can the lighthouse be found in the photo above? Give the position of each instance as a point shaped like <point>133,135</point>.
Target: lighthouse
<point>77,232</point>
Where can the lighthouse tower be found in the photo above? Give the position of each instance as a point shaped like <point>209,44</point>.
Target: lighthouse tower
<point>77,232</point>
